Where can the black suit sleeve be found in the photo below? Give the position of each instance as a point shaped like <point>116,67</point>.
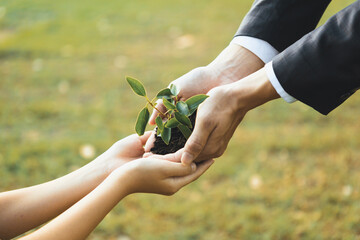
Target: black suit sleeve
<point>322,69</point>
<point>282,22</point>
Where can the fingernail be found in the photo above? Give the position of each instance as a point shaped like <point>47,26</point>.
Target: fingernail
<point>186,158</point>
<point>193,167</point>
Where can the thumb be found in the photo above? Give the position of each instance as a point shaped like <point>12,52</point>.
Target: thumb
<point>145,137</point>
<point>196,142</point>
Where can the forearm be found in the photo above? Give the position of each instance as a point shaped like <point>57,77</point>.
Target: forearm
<point>220,114</point>
<point>234,63</point>
<point>322,69</point>
<point>24,209</point>
<point>253,91</point>
<point>147,175</point>
<point>81,219</point>
<point>281,22</point>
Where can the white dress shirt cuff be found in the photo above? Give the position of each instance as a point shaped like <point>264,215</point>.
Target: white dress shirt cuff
<point>276,84</point>
<point>259,47</point>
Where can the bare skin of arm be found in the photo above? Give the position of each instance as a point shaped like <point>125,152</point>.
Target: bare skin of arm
<point>232,64</point>
<point>218,117</point>
<point>148,175</point>
<point>27,208</point>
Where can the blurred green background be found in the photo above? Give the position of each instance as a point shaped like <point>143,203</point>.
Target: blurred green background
<point>289,172</point>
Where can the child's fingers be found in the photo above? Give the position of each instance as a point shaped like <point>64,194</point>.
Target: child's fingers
<point>150,154</point>
<point>172,169</point>
<point>201,168</point>
<point>172,157</point>
<point>150,142</point>
<point>145,137</point>
<point>134,138</point>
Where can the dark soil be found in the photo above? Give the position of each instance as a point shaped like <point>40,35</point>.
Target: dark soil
<point>177,140</point>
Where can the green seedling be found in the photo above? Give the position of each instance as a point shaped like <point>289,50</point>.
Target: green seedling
<point>176,115</point>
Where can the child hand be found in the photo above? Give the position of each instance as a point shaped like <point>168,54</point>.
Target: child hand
<point>150,142</point>
<point>151,175</point>
<point>123,151</point>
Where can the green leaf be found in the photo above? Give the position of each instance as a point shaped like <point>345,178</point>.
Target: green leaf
<point>172,123</point>
<point>184,130</point>
<point>182,107</point>
<point>195,101</point>
<point>183,119</point>
<point>159,123</point>
<point>174,90</point>
<point>166,135</point>
<point>168,104</point>
<point>136,86</point>
<point>166,93</point>
<point>141,121</point>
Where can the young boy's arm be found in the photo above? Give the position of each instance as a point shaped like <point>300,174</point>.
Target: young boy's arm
<point>27,208</point>
<point>144,175</point>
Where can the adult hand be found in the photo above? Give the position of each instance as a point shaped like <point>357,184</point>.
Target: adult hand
<point>218,117</point>
<point>152,175</point>
<point>233,63</point>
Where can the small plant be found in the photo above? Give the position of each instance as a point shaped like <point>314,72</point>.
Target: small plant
<point>176,115</point>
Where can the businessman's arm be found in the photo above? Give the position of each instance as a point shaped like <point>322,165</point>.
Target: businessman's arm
<point>281,22</point>
<point>322,69</point>
<point>269,27</point>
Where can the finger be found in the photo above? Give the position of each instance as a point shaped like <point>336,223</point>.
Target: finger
<point>196,142</point>
<point>136,138</point>
<point>149,154</point>
<point>150,142</point>
<point>172,157</point>
<point>145,137</point>
<point>131,138</point>
<point>201,168</point>
<point>155,113</point>
<point>130,141</point>
<point>219,141</point>
<point>172,169</point>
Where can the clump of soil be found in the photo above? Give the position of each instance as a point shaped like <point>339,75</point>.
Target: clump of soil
<point>177,140</point>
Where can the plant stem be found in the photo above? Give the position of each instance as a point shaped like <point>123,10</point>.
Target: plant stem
<point>167,112</point>
<point>153,99</point>
<point>151,104</point>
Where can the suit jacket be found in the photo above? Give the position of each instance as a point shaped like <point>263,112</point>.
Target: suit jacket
<point>322,67</point>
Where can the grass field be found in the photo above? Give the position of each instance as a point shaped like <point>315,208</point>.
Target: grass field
<point>289,172</point>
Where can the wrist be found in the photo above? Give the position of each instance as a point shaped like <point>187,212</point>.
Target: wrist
<point>92,172</point>
<point>107,162</point>
<point>125,178</point>
<point>234,63</point>
<point>120,179</point>
<point>103,166</point>
<point>253,91</point>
